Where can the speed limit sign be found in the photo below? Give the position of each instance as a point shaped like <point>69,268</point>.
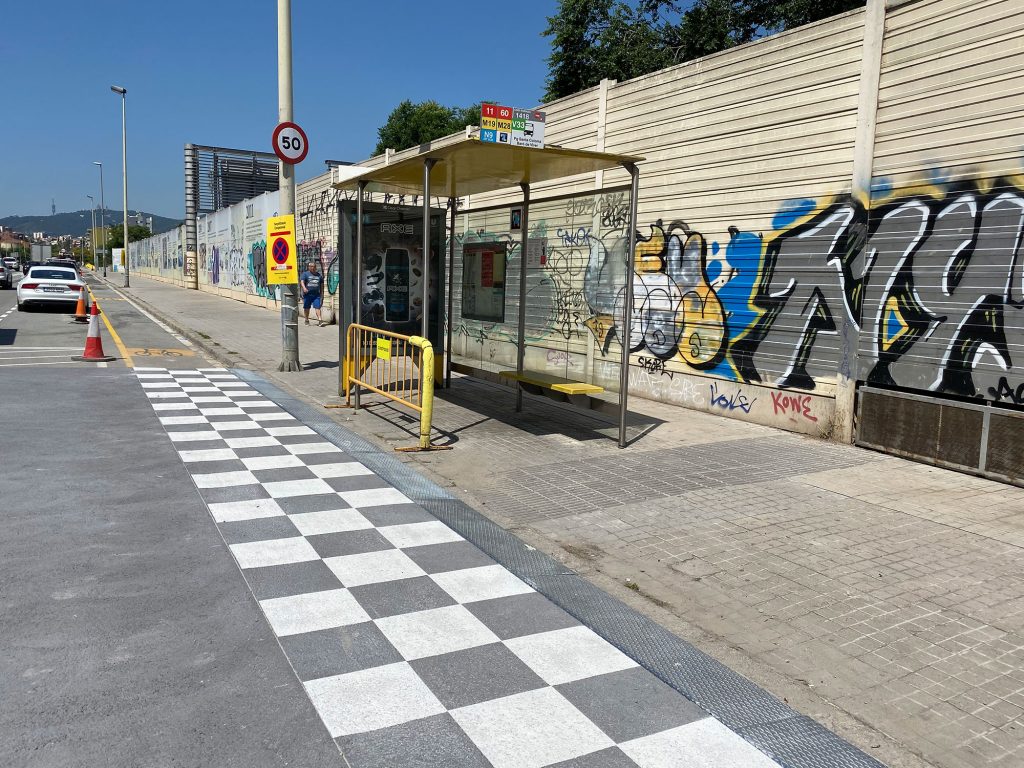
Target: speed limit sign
<point>290,143</point>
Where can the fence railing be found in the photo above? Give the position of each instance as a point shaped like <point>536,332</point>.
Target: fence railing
<point>400,368</point>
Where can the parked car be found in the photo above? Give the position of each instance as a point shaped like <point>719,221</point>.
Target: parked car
<point>11,262</point>
<point>29,265</point>
<point>49,285</point>
<point>6,275</point>
<point>69,263</point>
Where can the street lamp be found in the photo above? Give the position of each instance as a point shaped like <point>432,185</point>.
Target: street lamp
<point>92,232</point>
<point>124,174</point>
<point>103,218</point>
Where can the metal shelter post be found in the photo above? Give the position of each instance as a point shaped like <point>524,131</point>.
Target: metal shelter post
<point>524,242</point>
<point>626,331</point>
<point>451,287</point>
<point>342,326</point>
<point>357,298</point>
<point>428,164</point>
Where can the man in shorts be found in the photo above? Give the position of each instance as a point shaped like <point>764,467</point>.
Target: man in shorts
<point>311,281</point>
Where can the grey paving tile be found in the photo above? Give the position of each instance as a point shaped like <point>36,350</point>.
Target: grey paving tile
<point>397,514</point>
<point>234,493</point>
<point>430,742</point>
<point>349,543</point>
<point>265,450</point>
<point>606,758</point>
<point>391,598</point>
<point>630,704</point>
<point>291,579</point>
<point>338,650</point>
<point>356,483</point>
<point>450,556</point>
<point>259,529</point>
<point>521,615</point>
<point>478,674</point>
<point>324,458</point>
<point>284,473</point>
<point>312,503</point>
<point>210,467</point>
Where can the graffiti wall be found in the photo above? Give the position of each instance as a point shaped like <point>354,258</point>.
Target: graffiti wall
<point>160,256</point>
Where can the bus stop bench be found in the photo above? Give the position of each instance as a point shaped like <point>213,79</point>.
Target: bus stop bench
<point>544,381</point>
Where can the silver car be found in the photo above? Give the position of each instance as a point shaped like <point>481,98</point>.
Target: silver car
<point>49,285</point>
<point>6,275</point>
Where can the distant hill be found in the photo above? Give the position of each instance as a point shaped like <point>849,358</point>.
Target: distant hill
<point>77,223</point>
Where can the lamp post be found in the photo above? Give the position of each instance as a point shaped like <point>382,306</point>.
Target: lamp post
<point>124,174</point>
<point>92,232</point>
<point>103,218</point>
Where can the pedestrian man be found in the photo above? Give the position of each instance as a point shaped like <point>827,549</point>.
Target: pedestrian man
<point>311,281</point>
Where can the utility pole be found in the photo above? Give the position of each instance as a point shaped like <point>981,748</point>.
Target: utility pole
<point>92,232</point>
<point>103,217</point>
<point>290,292</point>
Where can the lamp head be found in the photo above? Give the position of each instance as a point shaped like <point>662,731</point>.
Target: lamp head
<point>97,162</point>
<point>119,89</point>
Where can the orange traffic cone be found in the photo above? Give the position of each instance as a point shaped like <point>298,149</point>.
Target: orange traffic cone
<point>93,344</point>
<point>80,312</point>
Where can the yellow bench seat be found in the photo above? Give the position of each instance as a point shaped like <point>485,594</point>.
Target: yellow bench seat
<point>554,383</point>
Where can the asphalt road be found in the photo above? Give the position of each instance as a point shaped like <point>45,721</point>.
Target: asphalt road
<point>129,636</point>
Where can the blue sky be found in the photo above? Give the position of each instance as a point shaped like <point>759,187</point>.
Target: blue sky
<point>206,72</point>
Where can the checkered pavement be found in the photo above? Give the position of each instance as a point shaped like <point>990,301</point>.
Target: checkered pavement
<point>415,647</point>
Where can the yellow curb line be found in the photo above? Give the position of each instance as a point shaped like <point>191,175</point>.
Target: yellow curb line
<point>113,334</point>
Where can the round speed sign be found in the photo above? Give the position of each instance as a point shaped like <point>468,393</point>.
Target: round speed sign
<point>290,143</point>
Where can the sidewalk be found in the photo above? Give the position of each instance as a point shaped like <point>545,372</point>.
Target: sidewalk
<point>883,598</point>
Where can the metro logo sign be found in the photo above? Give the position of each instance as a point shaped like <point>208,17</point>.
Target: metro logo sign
<point>512,126</point>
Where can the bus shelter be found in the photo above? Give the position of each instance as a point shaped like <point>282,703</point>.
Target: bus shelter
<point>468,167</point>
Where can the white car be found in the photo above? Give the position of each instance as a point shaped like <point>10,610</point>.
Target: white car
<point>49,285</point>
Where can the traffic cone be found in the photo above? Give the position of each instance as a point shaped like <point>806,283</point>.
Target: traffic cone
<point>93,344</point>
<point>81,316</point>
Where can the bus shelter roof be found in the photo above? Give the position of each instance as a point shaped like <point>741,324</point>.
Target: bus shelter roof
<point>471,167</point>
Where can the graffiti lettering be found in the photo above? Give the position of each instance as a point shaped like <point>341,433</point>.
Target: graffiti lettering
<point>732,402</point>
<point>797,404</point>
<point>1003,391</point>
<point>577,238</point>
<point>654,365</point>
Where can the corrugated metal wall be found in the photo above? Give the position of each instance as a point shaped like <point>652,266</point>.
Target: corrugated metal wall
<point>944,303</point>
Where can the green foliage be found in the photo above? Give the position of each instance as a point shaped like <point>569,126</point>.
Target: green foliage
<point>116,237</point>
<point>596,39</point>
<point>410,125</point>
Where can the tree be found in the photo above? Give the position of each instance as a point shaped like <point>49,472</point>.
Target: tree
<point>596,39</point>
<point>135,233</point>
<point>410,125</point>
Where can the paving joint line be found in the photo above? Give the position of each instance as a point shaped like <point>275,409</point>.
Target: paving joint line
<point>795,740</point>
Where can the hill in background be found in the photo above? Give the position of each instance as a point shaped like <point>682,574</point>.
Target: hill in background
<point>77,223</point>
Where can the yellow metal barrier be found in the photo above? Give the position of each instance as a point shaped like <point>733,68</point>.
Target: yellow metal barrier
<point>401,368</point>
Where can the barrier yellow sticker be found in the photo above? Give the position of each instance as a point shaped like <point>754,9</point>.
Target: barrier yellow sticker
<point>383,349</point>
<point>282,264</point>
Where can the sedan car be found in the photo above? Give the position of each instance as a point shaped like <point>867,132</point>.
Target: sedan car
<point>11,262</point>
<point>6,275</point>
<point>29,265</point>
<point>49,285</point>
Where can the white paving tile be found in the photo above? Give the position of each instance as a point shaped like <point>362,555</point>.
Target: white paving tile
<point>171,421</point>
<point>484,583</point>
<point>235,394</point>
<point>200,389</point>
<point>160,385</point>
<point>257,554</point>
<point>191,437</point>
<point>307,487</point>
<point>235,426</point>
<point>373,567</point>
<point>251,442</point>
<point>374,497</point>
<point>418,534</point>
<point>329,521</point>
<point>191,380</point>
<point>233,384</point>
<point>564,655</point>
<point>532,729</point>
<point>233,511</point>
<point>224,479</point>
<point>272,462</point>
<point>313,611</point>
<point>212,399</point>
<point>165,395</point>
<point>342,469</point>
<point>153,376</point>
<point>229,411</point>
<point>301,449</point>
<point>701,744</point>
<point>272,417</point>
<point>289,431</point>
<point>145,368</point>
<point>175,406</point>
<point>373,698</point>
<point>258,404</point>
<point>436,631</point>
<point>213,454</point>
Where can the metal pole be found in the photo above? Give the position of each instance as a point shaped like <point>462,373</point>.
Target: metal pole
<point>428,164</point>
<point>290,292</point>
<point>357,296</point>
<point>124,175</point>
<point>92,232</point>
<point>103,208</point>
<point>451,288</point>
<point>524,242</point>
<point>627,309</point>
